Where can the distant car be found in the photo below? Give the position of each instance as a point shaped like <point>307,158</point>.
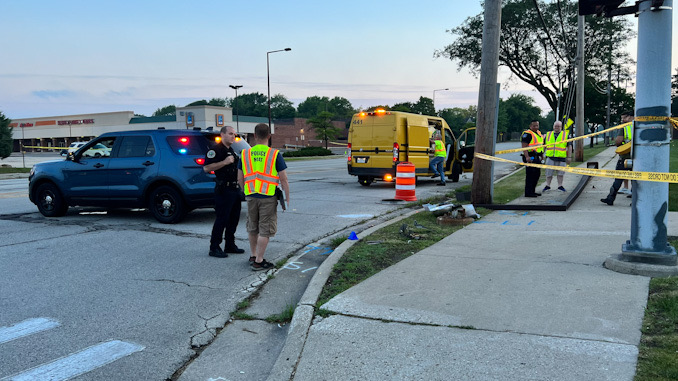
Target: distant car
<point>72,148</point>
<point>156,169</point>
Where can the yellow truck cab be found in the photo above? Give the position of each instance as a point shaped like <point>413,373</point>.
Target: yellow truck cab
<point>379,140</point>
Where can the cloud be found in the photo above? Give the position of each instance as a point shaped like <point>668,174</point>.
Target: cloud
<point>47,94</point>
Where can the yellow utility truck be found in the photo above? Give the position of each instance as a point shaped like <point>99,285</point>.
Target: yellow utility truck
<point>379,140</point>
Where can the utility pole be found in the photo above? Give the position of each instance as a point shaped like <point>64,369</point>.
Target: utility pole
<point>651,137</point>
<point>481,188</point>
<point>579,119</point>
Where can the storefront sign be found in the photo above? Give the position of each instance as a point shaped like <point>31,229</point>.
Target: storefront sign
<point>76,121</point>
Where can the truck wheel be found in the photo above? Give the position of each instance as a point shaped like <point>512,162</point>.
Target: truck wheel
<point>456,171</point>
<point>365,180</point>
<point>50,201</point>
<point>167,205</point>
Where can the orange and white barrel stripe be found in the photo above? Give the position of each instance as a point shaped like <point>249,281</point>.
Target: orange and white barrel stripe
<point>405,182</point>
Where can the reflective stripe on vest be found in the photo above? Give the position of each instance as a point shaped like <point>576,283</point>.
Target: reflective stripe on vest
<point>537,140</point>
<point>258,164</point>
<point>559,147</point>
<point>440,148</point>
<point>628,133</point>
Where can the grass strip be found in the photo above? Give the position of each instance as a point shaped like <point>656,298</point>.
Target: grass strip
<point>382,249</point>
<point>14,170</point>
<point>658,350</point>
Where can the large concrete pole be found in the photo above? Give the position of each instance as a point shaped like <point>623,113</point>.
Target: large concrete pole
<point>579,119</point>
<point>481,191</point>
<point>651,138</point>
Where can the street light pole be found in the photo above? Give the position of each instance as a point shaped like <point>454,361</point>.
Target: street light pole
<point>237,124</point>
<point>268,78</point>
<point>434,97</point>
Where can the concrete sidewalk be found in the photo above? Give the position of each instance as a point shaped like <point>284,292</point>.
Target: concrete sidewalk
<point>514,296</point>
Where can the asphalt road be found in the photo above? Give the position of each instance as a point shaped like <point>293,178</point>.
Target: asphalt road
<point>116,295</point>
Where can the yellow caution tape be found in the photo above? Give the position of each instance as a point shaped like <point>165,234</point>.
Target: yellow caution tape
<point>59,148</point>
<point>650,118</point>
<point>568,140</point>
<point>664,177</point>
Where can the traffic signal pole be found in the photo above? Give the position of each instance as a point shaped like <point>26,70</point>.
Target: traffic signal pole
<point>651,137</point>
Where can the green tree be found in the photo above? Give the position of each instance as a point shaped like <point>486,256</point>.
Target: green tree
<point>540,58</point>
<point>251,104</point>
<point>424,106</point>
<point>339,107</point>
<point>323,126</point>
<point>5,137</point>
<point>519,110</point>
<point>282,108</point>
<point>403,106</point>
<point>167,110</point>
<point>459,118</point>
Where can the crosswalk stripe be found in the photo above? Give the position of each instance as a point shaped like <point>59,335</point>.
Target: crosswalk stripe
<point>79,363</point>
<point>25,328</point>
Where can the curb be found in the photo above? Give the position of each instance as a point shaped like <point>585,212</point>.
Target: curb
<point>287,361</point>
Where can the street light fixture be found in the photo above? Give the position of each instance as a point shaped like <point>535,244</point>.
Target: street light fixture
<point>434,97</point>
<point>237,124</point>
<point>268,77</point>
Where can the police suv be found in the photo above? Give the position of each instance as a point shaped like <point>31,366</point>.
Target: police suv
<point>156,169</point>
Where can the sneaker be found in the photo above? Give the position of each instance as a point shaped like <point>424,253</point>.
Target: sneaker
<point>434,176</point>
<point>441,184</point>
<point>560,188</point>
<point>252,259</point>
<point>233,249</point>
<point>607,201</point>
<point>546,188</point>
<point>218,253</point>
<point>624,191</point>
<point>264,265</point>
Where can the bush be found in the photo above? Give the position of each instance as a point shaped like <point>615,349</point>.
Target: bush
<point>308,151</point>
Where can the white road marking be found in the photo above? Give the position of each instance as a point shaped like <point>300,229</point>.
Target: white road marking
<point>25,328</point>
<point>79,363</point>
<point>355,216</point>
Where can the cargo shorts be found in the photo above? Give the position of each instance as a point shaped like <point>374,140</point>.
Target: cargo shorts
<point>262,216</point>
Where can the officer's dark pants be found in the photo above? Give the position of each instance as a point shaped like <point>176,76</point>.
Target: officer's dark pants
<point>227,207</point>
<point>617,182</point>
<point>532,177</point>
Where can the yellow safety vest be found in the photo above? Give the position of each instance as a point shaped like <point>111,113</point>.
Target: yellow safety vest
<point>537,140</point>
<point>559,147</point>
<point>628,132</point>
<point>258,167</point>
<point>440,148</point>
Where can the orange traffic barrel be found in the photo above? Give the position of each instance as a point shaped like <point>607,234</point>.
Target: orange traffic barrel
<point>405,182</point>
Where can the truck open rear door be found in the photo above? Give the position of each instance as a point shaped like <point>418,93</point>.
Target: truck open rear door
<point>418,145</point>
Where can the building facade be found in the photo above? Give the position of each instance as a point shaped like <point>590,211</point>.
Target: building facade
<point>37,134</point>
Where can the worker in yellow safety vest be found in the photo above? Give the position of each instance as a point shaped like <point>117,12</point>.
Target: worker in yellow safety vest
<point>260,171</point>
<point>530,138</point>
<point>622,138</point>
<point>558,153</point>
<point>437,162</point>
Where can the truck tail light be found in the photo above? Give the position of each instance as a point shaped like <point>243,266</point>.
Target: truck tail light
<point>396,152</point>
<point>348,151</point>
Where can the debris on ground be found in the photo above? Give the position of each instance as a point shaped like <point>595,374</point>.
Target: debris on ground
<point>405,232</point>
<point>462,215</point>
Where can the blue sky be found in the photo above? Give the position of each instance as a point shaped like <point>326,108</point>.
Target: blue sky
<point>77,57</point>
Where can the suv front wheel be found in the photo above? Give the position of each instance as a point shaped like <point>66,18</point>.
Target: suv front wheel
<point>50,201</point>
<point>167,205</point>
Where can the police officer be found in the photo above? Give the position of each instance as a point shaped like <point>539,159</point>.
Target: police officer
<point>532,137</point>
<point>224,162</point>
<point>624,137</point>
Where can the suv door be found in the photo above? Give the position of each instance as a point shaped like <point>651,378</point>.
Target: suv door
<point>134,164</point>
<point>86,176</point>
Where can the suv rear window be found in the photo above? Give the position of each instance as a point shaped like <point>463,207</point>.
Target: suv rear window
<point>188,144</point>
